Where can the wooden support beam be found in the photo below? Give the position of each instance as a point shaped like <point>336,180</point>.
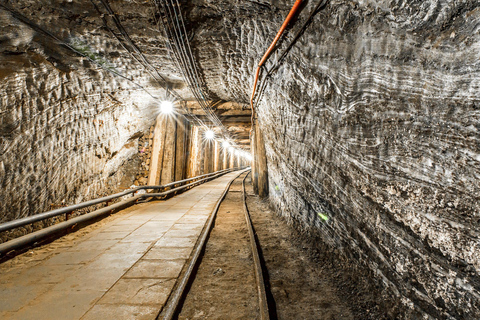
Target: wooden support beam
<point>254,162</point>
<point>157,150</point>
<point>209,157</point>
<point>225,159</point>
<point>168,163</point>
<point>260,161</point>
<point>218,157</point>
<point>181,149</point>
<point>195,161</point>
<point>232,160</point>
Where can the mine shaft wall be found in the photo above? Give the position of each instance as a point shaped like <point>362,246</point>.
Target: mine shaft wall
<point>64,139</point>
<point>69,128</point>
<point>372,135</point>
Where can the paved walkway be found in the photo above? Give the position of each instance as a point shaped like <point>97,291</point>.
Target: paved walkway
<point>125,269</point>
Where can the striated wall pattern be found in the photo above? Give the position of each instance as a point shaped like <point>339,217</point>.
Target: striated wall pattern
<point>372,130</point>
<point>69,128</point>
<point>372,134</point>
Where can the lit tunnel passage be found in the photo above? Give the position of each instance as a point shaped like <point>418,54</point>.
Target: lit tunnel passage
<point>357,120</point>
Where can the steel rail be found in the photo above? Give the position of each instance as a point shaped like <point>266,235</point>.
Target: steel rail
<point>262,293</point>
<point>174,302</point>
<point>43,233</point>
<point>53,213</point>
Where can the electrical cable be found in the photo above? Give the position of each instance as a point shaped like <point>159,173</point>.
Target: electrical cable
<point>321,4</point>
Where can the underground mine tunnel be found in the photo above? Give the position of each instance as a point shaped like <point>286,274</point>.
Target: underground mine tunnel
<point>140,139</point>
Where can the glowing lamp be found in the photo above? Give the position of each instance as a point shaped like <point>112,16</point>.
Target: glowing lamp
<point>209,134</point>
<point>166,107</point>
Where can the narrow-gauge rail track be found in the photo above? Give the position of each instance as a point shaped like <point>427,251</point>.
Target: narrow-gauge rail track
<point>224,280</point>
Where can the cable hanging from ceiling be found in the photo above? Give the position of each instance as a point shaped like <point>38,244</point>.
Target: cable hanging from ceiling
<point>135,52</point>
<point>178,43</point>
<point>126,42</point>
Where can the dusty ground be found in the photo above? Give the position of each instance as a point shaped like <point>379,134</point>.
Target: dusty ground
<point>224,285</point>
<point>304,281</point>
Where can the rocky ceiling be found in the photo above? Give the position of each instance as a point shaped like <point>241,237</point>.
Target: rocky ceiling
<point>128,39</point>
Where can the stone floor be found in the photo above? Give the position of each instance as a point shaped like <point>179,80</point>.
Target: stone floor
<point>125,269</point>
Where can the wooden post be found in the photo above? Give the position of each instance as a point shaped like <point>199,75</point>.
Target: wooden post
<point>168,163</point>
<point>195,161</point>
<point>192,152</point>
<point>254,161</point>
<point>208,159</point>
<point>217,155</point>
<point>157,150</point>
<point>181,152</point>
<point>232,160</point>
<point>261,161</point>
<point>225,159</point>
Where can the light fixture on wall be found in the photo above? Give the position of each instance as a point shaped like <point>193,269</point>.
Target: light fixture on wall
<point>166,107</point>
<point>226,144</point>
<point>209,134</point>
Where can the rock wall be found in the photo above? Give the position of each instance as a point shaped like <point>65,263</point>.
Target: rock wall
<point>372,133</point>
<point>371,124</point>
<point>69,126</point>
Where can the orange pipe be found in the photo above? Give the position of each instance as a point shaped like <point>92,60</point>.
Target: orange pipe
<point>290,16</point>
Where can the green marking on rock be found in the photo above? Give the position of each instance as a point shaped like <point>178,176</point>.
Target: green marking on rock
<point>323,216</point>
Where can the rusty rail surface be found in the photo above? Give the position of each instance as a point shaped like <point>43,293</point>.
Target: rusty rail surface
<point>173,306</point>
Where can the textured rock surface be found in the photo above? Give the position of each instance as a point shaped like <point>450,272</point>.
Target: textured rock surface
<point>371,125</point>
<point>372,133</point>
<point>372,130</point>
<point>69,129</point>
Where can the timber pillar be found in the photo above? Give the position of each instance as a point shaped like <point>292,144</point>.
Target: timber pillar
<point>260,173</point>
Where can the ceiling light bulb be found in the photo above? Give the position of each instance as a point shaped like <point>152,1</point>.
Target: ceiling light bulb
<point>166,107</point>
<point>226,144</point>
<point>209,134</point>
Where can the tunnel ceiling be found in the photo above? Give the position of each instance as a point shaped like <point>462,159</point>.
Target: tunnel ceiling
<point>127,39</point>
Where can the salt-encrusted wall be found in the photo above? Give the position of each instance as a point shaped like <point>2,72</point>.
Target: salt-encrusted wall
<point>372,133</point>
<point>69,127</point>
